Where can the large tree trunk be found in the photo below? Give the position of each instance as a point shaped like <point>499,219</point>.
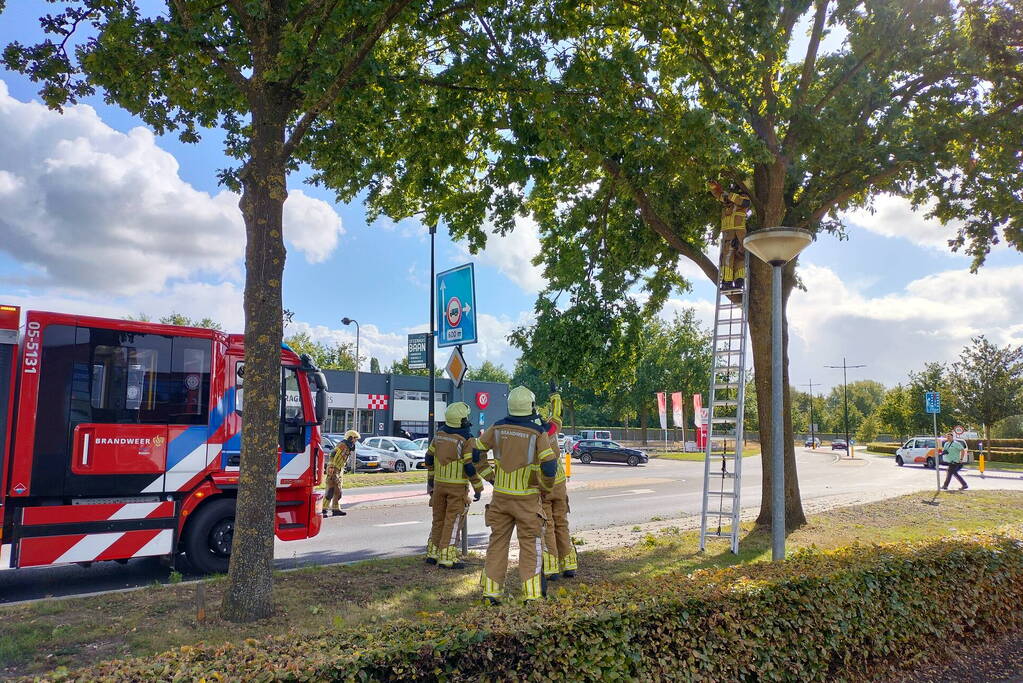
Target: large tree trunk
<point>249,593</point>
<point>760,309</point>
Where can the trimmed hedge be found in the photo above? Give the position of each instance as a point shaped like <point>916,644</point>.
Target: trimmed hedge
<point>888,448</point>
<point>846,614</point>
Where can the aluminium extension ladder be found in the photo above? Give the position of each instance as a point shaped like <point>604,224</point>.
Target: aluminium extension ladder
<point>722,469</point>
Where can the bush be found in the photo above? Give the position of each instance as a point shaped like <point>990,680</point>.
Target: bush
<point>818,616</point>
<point>887,448</point>
<point>995,443</point>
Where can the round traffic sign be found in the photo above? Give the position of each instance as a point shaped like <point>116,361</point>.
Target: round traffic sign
<point>453,311</point>
<point>482,400</point>
<point>959,430</point>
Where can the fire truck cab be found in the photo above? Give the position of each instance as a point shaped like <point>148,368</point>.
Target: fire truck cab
<point>122,439</point>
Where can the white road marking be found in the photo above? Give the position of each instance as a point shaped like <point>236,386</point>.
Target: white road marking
<point>633,492</point>
<point>399,523</point>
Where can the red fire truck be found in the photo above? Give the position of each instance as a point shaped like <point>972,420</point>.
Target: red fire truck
<point>122,439</point>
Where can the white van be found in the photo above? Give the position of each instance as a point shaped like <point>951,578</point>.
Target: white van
<point>920,451</point>
<point>595,434</point>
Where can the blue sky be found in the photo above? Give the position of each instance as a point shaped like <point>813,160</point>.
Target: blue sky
<point>99,216</point>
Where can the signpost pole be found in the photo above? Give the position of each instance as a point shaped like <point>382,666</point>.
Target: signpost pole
<point>937,451</point>
<point>431,405</point>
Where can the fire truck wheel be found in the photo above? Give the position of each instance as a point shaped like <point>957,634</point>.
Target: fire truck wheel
<point>209,535</point>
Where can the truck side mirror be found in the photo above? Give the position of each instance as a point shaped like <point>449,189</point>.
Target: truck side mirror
<point>321,406</point>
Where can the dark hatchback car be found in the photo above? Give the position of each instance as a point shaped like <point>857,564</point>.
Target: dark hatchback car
<point>594,450</point>
<point>839,445</point>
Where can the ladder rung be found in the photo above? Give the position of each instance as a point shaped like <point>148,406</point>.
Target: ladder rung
<point>724,475</point>
<point>723,494</point>
<point>726,402</point>
<point>722,455</point>
<point>726,385</point>
<point>729,336</point>
<point>724,420</point>
<point>726,368</point>
<point>714,534</point>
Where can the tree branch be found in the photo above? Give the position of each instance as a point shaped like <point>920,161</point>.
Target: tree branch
<point>843,80</point>
<point>659,225</point>
<point>810,60</point>
<point>846,194</point>
<point>229,69</point>
<point>343,76</point>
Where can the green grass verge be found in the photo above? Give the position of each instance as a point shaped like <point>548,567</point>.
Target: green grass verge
<point>364,479</point>
<point>699,457</point>
<point>38,637</point>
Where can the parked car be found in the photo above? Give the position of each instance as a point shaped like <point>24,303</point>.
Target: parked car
<point>920,451</point>
<point>839,445</point>
<point>396,454</point>
<point>595,434</point>
<point>365,460</point>
<point>813,443</point>
<point>421,443</point>
<point>570,441</point>
<point>600,450</point>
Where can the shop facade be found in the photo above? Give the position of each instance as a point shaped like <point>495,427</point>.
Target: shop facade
<point>393,404</point>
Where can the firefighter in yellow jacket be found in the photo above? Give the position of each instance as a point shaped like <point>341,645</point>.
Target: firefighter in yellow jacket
<point>449,471</point>
<point>519,459</point>
<point>559,556</point>
<point>344,455</point>
<point>733,229</point>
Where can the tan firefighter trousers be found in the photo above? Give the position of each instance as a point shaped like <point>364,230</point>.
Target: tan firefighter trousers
<point>449,503</point>
<point>525,515</point>
<point>559,552</point>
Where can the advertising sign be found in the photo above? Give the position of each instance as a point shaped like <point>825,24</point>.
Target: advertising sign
<point>419,351</point>
<point>677,415</point>
<point>662,410</point>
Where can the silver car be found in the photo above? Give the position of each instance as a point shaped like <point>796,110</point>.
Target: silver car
<point>396,453</point>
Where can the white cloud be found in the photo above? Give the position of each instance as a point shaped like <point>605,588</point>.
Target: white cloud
<point>513,255</point>
<point>311,225</point>
<point>894,217</point>
<point>221,302</point>
<point>88,208</point>
<point>373,342</point>
<point>931,319</point>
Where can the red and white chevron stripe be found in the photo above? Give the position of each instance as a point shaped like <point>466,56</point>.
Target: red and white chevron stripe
<point>104,512</point>
<point>115,545</point>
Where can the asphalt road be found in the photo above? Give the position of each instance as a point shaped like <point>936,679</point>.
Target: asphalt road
<point>392,521</point>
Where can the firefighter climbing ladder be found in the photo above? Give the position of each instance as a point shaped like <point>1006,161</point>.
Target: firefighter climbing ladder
<point>722,469</point>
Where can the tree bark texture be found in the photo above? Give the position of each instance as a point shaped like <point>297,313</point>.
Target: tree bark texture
<point>249,594</point>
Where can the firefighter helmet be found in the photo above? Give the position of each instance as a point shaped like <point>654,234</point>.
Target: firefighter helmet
<point>521,402</point>
<point>457,415</point>
<point>352,434</point>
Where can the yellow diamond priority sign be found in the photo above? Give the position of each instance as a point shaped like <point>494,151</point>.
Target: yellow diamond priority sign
<point>456,367</point>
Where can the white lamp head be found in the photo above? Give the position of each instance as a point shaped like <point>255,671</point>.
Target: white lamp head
<point>777,246</point>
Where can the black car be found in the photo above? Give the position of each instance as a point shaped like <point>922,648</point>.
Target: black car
<point>839,445</point>
<point>594,450</point>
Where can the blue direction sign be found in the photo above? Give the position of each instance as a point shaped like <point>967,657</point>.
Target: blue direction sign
<point>932,402</point>
<point>456,299</point>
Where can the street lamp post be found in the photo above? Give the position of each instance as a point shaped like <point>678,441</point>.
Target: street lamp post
<point>845,392</point>
<point>813,432</point>
<point>355,402</point>
<point>777,246</point>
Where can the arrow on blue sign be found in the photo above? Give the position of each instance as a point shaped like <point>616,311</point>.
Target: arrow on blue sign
<point>456,299</point>
<point>932,402</point>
